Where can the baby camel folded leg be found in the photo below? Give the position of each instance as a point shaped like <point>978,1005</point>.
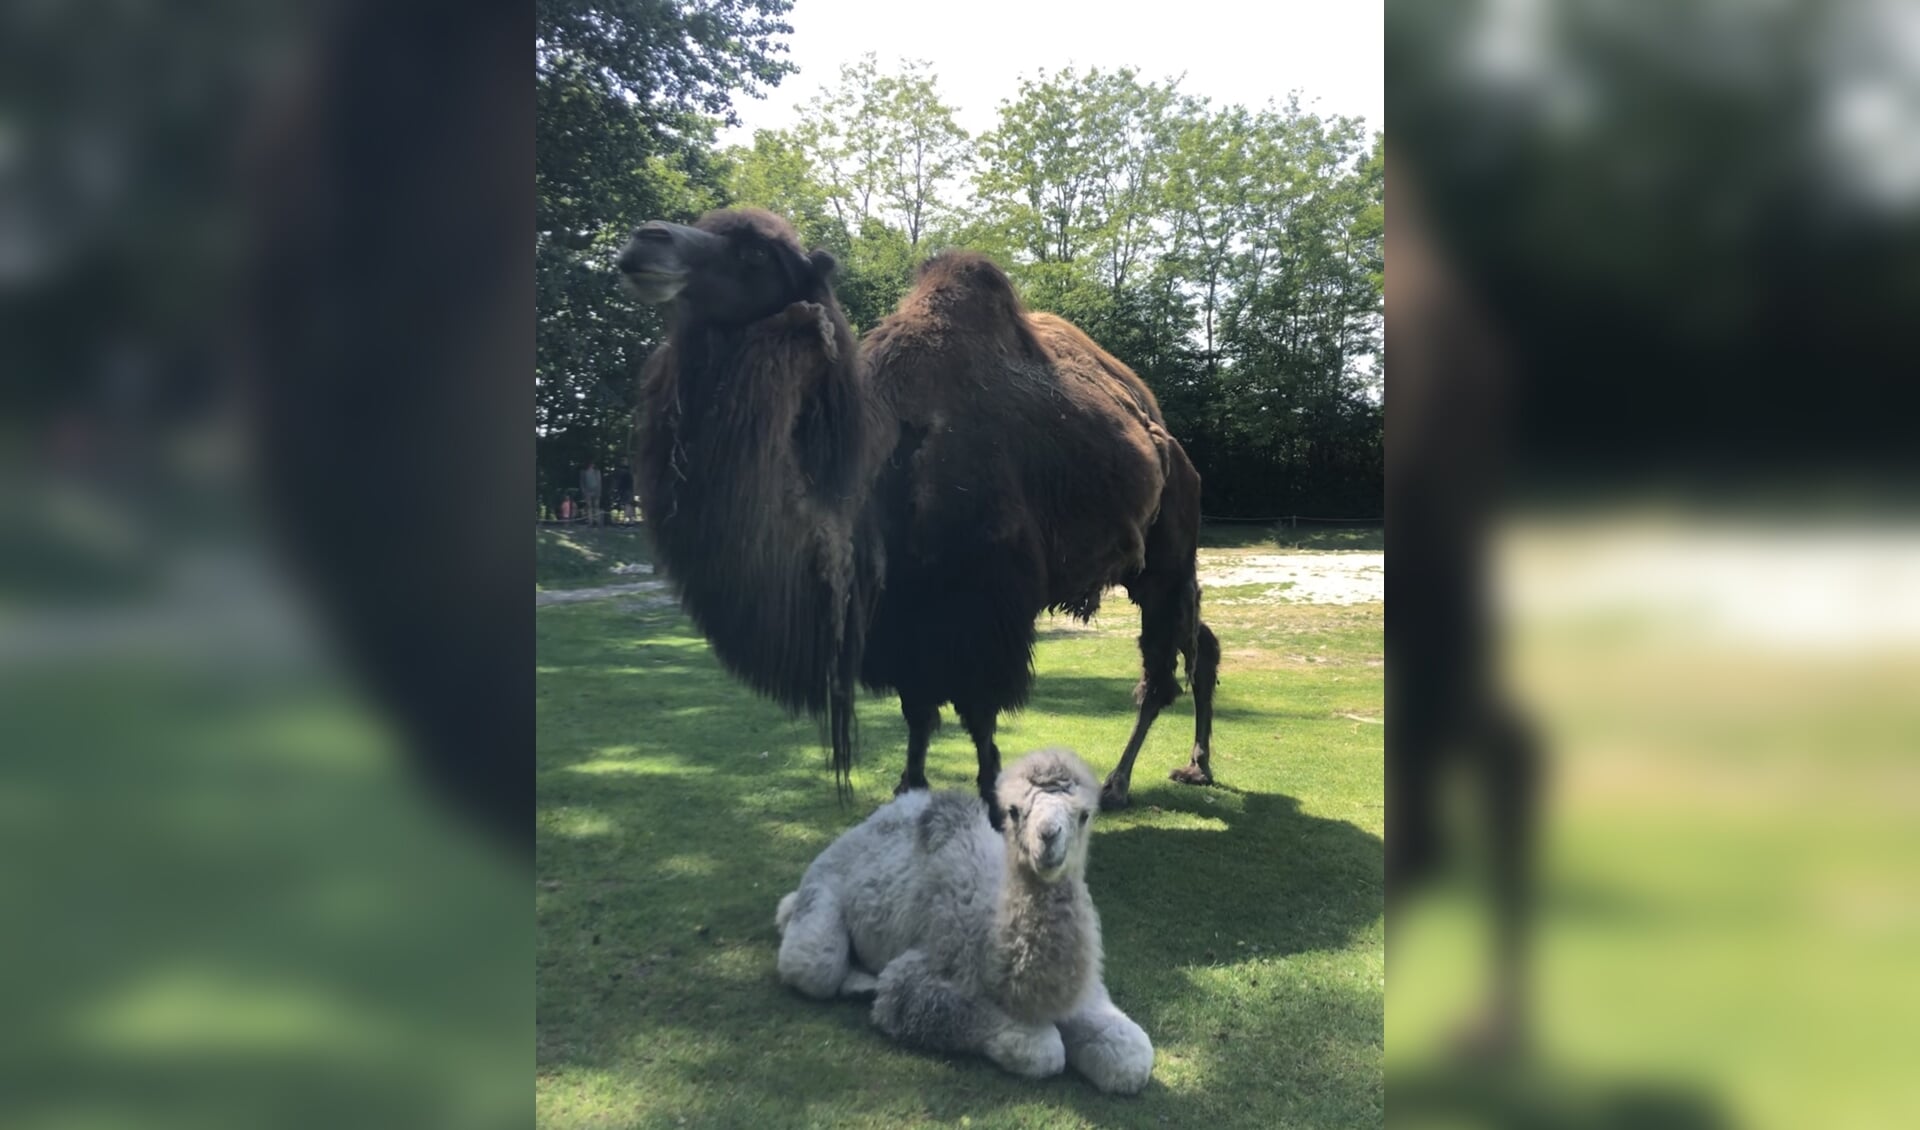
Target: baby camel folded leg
<point>917,1007</point>
<point>1106,1046</point>
<point>815,949</point>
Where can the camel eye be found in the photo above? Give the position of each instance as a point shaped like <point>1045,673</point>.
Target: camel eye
<point>753,256</point>
<point>1083,817</point>
<point>1013,812</point>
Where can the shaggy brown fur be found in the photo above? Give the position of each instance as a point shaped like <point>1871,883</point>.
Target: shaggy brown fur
<point>1033,470</point>
<point>905,518</point>
<point>756,451</point>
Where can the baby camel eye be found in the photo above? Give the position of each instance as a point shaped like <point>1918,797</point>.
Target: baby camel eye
<point>1083,817</point>
<point>1013,812</point>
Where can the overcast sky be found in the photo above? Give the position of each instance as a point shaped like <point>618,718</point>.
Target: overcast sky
<point>1230,50</point>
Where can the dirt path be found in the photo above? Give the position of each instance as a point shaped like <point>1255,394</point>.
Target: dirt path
<point>1300,578</point>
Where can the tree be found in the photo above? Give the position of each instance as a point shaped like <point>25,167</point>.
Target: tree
<point>924,148</point>
<point>1232,257</point>
<point>866,175</point>
<point>627,92</point>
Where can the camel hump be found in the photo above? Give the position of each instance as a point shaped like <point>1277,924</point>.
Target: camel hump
<point>1062,339</point>
<point>969,286</point>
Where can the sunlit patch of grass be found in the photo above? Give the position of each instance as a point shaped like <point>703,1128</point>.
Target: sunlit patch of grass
<point>1727,919</point>
<point>574,822</point>
<point>1252,909</point>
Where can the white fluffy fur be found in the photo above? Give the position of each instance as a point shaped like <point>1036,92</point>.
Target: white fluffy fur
<point>981,943</point>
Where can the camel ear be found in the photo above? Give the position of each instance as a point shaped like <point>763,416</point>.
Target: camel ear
<point>824,264</point>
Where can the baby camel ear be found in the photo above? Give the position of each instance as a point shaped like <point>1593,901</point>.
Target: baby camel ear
<point>824,264</point>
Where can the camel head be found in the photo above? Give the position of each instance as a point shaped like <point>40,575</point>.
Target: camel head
<point>733,268</point>
<point>1049,797</point>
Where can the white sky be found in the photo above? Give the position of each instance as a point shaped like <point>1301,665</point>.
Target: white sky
<point>1230,50</point>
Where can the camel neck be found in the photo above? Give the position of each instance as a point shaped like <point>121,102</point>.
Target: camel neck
<point>1046,942</point>
<point>1023,887</point>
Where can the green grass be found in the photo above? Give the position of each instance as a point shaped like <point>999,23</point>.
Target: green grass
<point>277,921</point>
<point>1243,923</point>
<point>1727,921</point>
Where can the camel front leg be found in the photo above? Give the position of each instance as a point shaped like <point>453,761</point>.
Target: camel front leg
<point>922,720</point>
<point>919,1008</point>
<point>1161,617</point>
<point>1203,671</point>
<point>980,723</point>
<point>1106,1046</point>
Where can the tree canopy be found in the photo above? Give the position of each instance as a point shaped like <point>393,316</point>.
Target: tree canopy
<point>629,95</point>
<point>1232,256</point>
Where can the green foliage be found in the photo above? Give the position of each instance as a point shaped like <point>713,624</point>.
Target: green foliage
<point>625,93</point>
<point>867,175</point>
<point>1233,257</point>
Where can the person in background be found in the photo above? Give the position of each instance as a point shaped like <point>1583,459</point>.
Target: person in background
<point>623,491</point>
<point>590,488</point>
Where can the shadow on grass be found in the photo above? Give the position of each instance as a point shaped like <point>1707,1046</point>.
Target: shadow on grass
<point>1526,1100</point>
<point>667,972</point>
<point>1095,696</point>
<point>676,808</point>
<point>1261,878</point>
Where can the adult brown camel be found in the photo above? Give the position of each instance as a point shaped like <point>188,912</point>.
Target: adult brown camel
<point>901,517</point>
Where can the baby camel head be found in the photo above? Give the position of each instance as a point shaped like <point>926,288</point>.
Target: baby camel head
<point>1049,797</point>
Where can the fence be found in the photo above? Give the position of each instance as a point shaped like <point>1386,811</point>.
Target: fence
<point>1293,520</point>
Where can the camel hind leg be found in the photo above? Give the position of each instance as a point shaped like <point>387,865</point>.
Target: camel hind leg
<point>1167,618</point>
<point>1203,671</point>
<point>815,949</point>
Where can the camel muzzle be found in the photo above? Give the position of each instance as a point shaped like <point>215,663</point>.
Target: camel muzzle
<point>1052,855</point>
<point>660,257</point>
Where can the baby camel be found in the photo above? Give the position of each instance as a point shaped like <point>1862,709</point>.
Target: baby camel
<point>985,942</point>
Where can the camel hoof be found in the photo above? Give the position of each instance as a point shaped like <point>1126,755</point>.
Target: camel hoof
<point>1192,775</point>
<point>1113,799</point>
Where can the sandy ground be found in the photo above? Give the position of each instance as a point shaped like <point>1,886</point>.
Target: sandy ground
<point>1300,578</point>
<point>1835,588</point>
<point>1293,578</point>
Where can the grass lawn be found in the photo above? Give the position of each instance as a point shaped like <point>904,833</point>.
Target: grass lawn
<point>1243,923</point>
<point>1727,922</point>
